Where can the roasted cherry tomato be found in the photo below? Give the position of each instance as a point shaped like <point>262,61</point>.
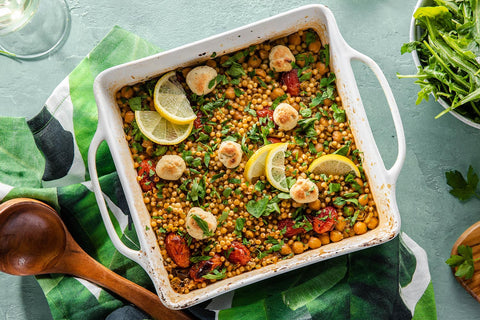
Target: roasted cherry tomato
<point>199,269</point>
<point>290,79</point>
<point>197,123</point>
<point>264,113</point>
<point>274,140</point>
<point>288,224</point>
<point>238,253</point>
<point>325,221</point>
<point>146,171</point>
<point>178,250</point>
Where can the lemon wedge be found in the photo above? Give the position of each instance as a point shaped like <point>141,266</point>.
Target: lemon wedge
<point>275,166</point>
<point>333,164</point>
<point>160,130</point>
<point>255,166</point>
<point>171,101</point>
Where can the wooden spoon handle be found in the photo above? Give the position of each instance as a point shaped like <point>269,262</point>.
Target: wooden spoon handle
<point>80,264</point>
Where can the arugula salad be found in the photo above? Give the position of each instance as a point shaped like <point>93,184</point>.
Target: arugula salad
<point>448,48</point>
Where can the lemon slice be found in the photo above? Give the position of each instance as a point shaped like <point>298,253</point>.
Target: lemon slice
<point>160,130</point>
<point>275,166</point>
<point>171,101</point>
<point>333,164</point>
<point>255,166</point>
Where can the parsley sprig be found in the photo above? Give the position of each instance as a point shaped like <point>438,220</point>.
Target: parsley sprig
<point>461,188</point>
<point>464,261</point>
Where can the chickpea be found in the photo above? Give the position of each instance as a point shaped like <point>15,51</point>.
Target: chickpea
<point>324,238</point>
<point>185,71</point>
<point>254,62</point>
<point>321,68</point>
<point>211,63</point>
<point>230,93</point>
<point>327,102</point>
<point>315,46</point>
<point>129,116</point>
<point>315,205</point>
<point>359,182</point>
<point>294,39</point>
<point>127,92</point>
<point>341,224</point>
<point>360,227</point>
<point>337,136</point>
<point>314,243</point>
<point>297,247</point>
<point>261,73</point>
<point>348,211</point>
<point>373,223</point>
<point>363,199</point>
<point>336,236</point>
<point>285,250</point>
<point>277,92</point>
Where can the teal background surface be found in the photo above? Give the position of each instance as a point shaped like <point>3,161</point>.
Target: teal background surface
<point>377,28</point>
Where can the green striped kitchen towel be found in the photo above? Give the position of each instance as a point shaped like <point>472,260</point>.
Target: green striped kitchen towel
<point>46,158</point>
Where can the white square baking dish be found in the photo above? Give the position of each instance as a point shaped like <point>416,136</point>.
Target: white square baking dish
<point>110,129</point>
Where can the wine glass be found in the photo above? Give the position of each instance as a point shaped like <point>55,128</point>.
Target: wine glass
<point>31,29</point>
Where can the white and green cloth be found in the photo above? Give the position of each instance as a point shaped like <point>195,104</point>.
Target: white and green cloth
<point>46,158</point>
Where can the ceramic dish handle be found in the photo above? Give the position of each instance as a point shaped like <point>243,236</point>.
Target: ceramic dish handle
<point>394,171</point>
<point>134,255</point>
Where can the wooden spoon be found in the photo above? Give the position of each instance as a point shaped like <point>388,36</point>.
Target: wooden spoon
<point>34,240</point>
<point>471,237</point>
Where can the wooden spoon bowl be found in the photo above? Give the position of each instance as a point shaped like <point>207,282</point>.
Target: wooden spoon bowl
<point>34,240</point>
<point>471,237</point>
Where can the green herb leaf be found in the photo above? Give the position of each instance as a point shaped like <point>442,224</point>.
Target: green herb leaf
<point>257,207</point>
<point>461,188</point>
<point>223,217</point>
<point>239,223</point>
<point>202,224</point>
<point>215,274</point>
<point>199,258</point>
<point>135,103</point>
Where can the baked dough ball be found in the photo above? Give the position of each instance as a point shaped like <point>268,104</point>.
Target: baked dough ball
<point>285,116</point>
<point>304,191</point>
<point>230,154</point>
<point>199,78</point>
<point>281,59</point>
<point>194,229</point>
<point>170,167</point>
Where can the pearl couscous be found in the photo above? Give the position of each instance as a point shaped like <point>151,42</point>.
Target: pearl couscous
<point>246,225</point>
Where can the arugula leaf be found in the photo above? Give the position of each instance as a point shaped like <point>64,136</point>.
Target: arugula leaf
<point>461,188</point>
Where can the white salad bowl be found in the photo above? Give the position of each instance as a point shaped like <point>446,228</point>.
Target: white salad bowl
<point>415,33</point>
<point>382,181</point>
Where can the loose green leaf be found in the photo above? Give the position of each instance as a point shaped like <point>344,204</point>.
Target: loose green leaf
<point>202,225</point>
<point>461,188</point>
<point>257,207</point>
